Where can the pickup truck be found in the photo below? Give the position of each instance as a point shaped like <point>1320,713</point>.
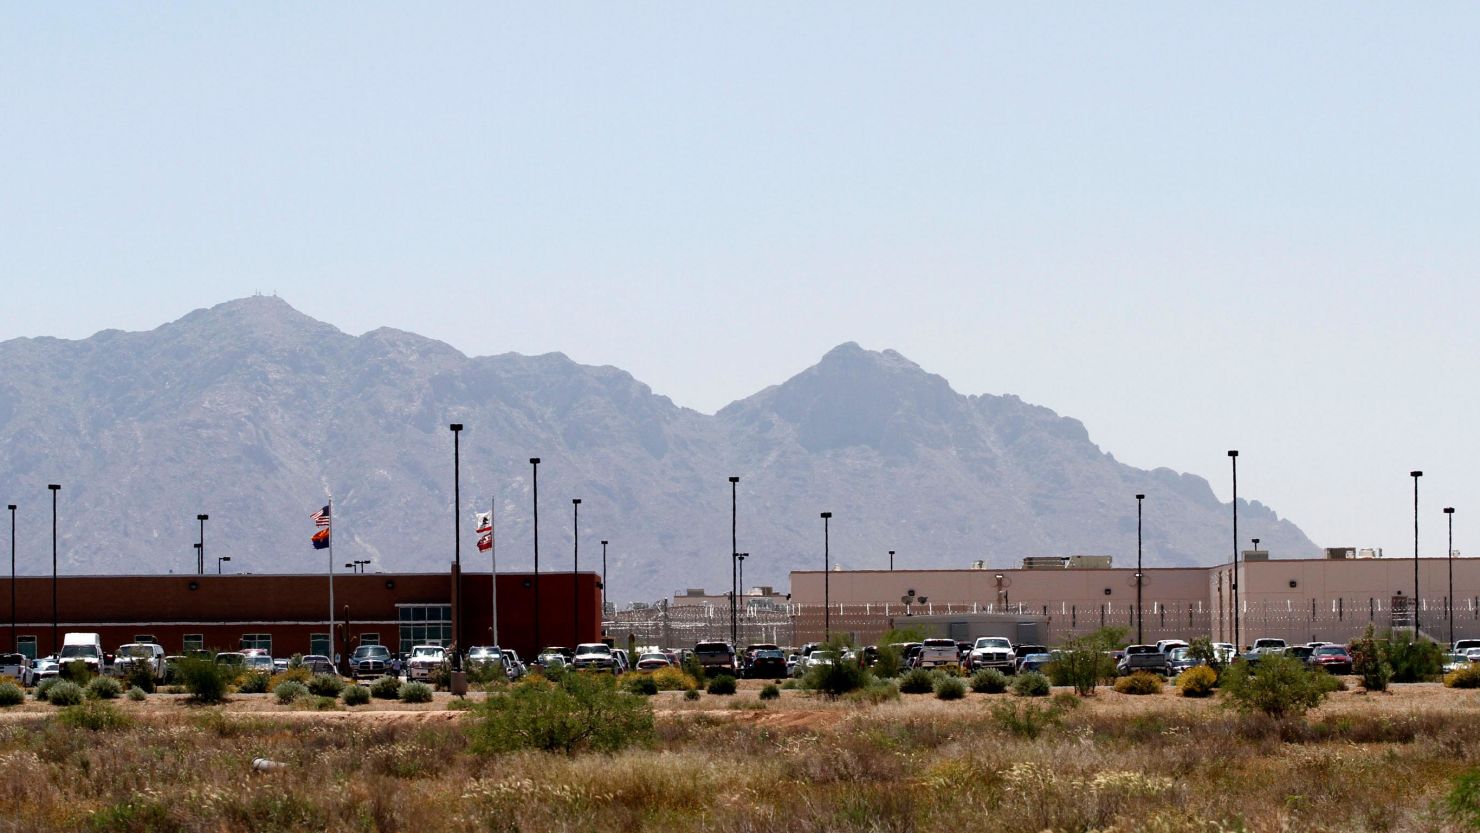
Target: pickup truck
<point>716,656</point>
<point>992,652</point>
<point>1142,658</point>
<point>938,653</point>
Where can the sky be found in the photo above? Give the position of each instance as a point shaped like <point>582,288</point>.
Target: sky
<point>1193,228</point>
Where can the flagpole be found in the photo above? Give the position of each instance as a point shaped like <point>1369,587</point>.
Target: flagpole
<point>332,641</point>
<point>493,556</point>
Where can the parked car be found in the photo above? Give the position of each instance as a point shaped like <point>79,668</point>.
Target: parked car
<point>1224,652</point>
<point>550,660</point>
<point>653,662</point>
<point>1463,646</point>
<point>1035,662</point>
<point>813,660</point>
<point>260,663</point>
<point>1270,645</point>
<point>1454,662</point>
<point>939,653</point>
<point>318,664</point>
<point>513,665</point>
<point>1166,645</point>
<point>719,656</point>
<point>17,667</point>
<point>425,659</point>
<point>991,652</point>
<point>236,658</point>
<point>43,668</point>
<point>1300,652</point>
<point>1142,658</point>
<point>624,663</point>
<point>369,662</point>
<point>1333,658</point>
<point>595,656</point>
<point>1179,660</point>
<point>768,664</point>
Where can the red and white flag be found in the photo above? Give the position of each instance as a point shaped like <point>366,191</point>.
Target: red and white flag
<point>485,543</point>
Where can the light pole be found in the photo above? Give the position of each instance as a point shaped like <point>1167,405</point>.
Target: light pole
<point>826,575</point>
<point>575,566</point>
<point>219,559</point>
<point>891,561</point>
<point>200,563</point>
<point>534,466</point>
<point>1233,458</point>
<point>603,579</point>
<point>13,642</point>
<point>457,609</point>
<point>1449,511</point>
<point>1415,475</point>
<point>1140,635</point>
<point>55,646</point>
<point>734,551</point>
<point>741,558</point>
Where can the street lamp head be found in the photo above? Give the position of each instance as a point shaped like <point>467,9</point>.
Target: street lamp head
<point>1233,452</point>
<point>1140,497</point>
<point>11,507</point>
<point>534,461</point>
<point>1256,543</point>
<point>1448,510</point>
<point>225,558</point>
<point>604,543</point>
<point>202,517</point>
<point>826,514</point>
<point>891,552</point>
<point>576,501</point>
<point>456,426</point>
<point>734,480</point>
<point>54,486</point>
<point>349,566</point>
<point>1415,474</point>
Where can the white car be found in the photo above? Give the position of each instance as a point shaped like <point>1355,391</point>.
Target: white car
<point>991,652</point>
<point>146,653</point>
<point>424,660</point>
<point>17,667</point>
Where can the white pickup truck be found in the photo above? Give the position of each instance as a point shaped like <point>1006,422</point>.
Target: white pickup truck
<point>938,653</point>
<point>992,652</point>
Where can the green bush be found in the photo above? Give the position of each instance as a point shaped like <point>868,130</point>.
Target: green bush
<point>1030,684</point>
<point>691,694</point>
<point>483,673</point>
<point>65,693</point>
<point>989,681</point>
<point>356,695</point>
<point>1370,662</point>
<point>770,692</point>
<point>693,668</point>
<point>1197,681</point>
<point>204,679</point>
<point>950,687</point>
<point>103,688</point>
<point>643,684</point>
<point>324,704</point>
<point>255,682</point>
<point>138,695</point>
<point>1463,799</point>
<point>1466,677</point>
<point>11,694</point>
<point>138,674</point>
<point>415,693</point>
<point>917,681</point>
<point>581,712</point>
<point>1414,660</point>
<point>1280,686</point>
<point>75,671</point>
<point>835,679</point>
<point>723,684</point>
<point>1141,682</point>
<point>326,685</point>
<point>289,691</point>
<point>94,716</point>
<point>43,688</point>
<point>876,692</point>
<point>386,688</point>
<point>1026,720</point>
<point>1084,662</point>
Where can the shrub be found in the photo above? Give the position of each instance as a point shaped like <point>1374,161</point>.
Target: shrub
<point>1414,660</point>
<point>386,688</point>
<point>1201,651</point>
<point>1466,677</point>
<point>1463,799</point>
<point>989,681</point>
<point>356,695</point>
<point>415,693</point>
<point>290,690</point>
<point>1370,662</point>
<point>138,695</point>
<point>950,687</point>
<point>640,684</point>
<point>139,674</point>
<point>693,669</point>
<point>1197,681</point>
<point>324,704</point>
<point>94,716</point>
<point>43,688</point>
<point>1084,663</point>
<point>723,684</point>
<point>255,682</point>
<point>1025,720</point>
<point>482,673</point>
<point>581,712</point>
<point>1030,684</point>
<point>917,681</point>
<point>1281,686</point>
<point>64,693</point>
<point>204,679</point>
<point>770,692</point>
<point>835,679</point>
<point>301,674</point>
<point>11,694</point>
<point>75,671</point>
<point>103,688</point>
<point>691,694</point>
<point>673,679</point>
<point>326,685</point>
<point>1141,682</point>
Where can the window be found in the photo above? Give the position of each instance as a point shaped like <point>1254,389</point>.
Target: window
<point>318,643</point>
<point>257,640</point>
<point>369,639</point>
<point>424,624</point>
<point>146,638</point>
<point>26,645</point>
<point>194,642</point>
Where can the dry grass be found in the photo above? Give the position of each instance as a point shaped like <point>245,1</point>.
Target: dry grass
<point>1116,763</point>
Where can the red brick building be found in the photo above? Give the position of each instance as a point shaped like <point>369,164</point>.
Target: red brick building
<point>288,614</point>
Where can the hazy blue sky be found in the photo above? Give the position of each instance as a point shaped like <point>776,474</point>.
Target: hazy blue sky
<point>1249,226</point>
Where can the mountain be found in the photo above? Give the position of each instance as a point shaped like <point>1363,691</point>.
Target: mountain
<point>253,413</point>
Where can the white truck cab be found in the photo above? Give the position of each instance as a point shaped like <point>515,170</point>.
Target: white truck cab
<point>84,647</point>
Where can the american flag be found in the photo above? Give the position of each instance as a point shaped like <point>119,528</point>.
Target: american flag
<point>321,517</point>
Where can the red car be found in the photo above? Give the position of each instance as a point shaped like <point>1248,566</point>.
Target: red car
<point>1333,658</point>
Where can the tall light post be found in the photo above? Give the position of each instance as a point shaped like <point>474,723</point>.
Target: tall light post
<point>219,559</point>
<point>603,579</point>
<point>1449,512</point>
<point>575,566</point>
<point>826,575</point>
<point>1140,576</point>
<point>1233,458</point>
<point>741,558</point>
<point>734,551</point>
<point>1415,475</point>
<point>891,561</point>
<point>534,465</point>
<point>457,609</point>
<point>13,638</point>
<point>55,643</point>
<point>200,563</point>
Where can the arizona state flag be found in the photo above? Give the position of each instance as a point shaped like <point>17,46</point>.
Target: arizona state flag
<point>320,539</point>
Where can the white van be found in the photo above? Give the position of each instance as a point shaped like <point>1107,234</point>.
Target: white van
<point>146,653</point>
<point>87,647</point>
